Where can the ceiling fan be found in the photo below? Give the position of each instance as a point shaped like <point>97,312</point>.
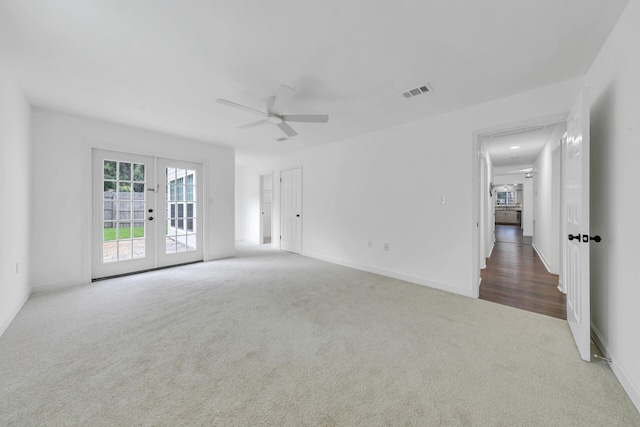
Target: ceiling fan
<point>275,112</point>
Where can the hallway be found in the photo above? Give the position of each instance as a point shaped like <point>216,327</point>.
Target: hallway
<point>515,276</point>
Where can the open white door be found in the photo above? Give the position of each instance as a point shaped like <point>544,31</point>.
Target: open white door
<point>576,182</point>
<point>291,210</point>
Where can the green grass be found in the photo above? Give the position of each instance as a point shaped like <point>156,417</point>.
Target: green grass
<point>125,233</point>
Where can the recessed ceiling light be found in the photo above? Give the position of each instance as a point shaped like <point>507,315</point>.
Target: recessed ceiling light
<point>515,147</point>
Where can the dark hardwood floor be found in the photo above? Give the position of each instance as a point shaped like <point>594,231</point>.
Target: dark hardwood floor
<point>516,276</point>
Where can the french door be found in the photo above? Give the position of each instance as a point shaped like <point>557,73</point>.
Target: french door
<point>147,213</point>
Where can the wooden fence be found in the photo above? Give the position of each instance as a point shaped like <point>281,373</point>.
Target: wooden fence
<point>124,208</point>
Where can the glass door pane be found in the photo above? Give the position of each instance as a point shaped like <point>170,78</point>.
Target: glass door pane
<point>123,211</point>
<point>180,229</point>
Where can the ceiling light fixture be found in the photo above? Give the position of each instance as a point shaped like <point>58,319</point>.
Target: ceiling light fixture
<point>515,147</point>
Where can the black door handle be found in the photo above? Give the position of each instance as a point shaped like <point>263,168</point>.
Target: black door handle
<point>150,218</point>
<point>298,215</point>
<point>595,238</point>
<point>576,237</point>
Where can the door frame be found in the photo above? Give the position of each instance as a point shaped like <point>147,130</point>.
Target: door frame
<point>477,156</point>
<point>262,204</point>
<point>159,206</point>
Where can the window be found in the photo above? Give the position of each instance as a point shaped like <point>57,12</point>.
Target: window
<point>506,198</point>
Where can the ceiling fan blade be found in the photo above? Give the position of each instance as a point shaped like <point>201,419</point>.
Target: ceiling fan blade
<point>287,129</point>
<point>242,107</point>
<point>309,118</point>
<point>254,124</point>
<point>270,101</point>
<point>283,98</point>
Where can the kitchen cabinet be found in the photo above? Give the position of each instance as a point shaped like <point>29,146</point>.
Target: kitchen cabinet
<point>507,217</point>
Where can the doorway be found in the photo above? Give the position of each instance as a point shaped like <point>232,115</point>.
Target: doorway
<point>519,202</point>
<point>266,208</point>
<point>147,213</point>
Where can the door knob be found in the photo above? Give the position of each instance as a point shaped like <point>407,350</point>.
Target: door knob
<point>150,218</point>
<point>595,238</point>
<point>576,237</point>
<point>150,210</point>
<point>298,215</point>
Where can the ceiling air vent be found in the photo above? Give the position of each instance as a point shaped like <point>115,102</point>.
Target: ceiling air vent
<point>417,91</point>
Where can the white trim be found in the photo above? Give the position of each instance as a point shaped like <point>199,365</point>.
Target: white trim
<point>45,288</point>
<point>542,257</point>
<point>493,244</point>
<point>261,198</point>
<point>632,389</point>
<point>12,314</point>
<point>407,278</point>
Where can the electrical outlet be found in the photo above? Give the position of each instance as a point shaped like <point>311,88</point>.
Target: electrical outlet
<point>386,247</point>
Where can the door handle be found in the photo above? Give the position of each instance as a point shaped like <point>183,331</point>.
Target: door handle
<point>298,215</point>
<point>576,237</point>
<point>150,218</point>
<point>595,238</point>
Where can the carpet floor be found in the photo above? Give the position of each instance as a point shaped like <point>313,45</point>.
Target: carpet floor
<point>272,338</point>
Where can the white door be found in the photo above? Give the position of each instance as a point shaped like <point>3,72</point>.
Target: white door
<point>146,213</point>
<point>179,211</point>
<point>291,211</point>
<point>576,160</point>
<point>123,191</point>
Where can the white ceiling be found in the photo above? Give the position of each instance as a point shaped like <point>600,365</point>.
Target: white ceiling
<point>160,64</point>
<point>514,150</point>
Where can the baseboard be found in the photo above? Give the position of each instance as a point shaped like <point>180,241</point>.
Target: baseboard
<point>12,314</point>
<point>45,288</point>
<point>542,258</point>
<point>493,245</point>
<point>632,389</point>
<point>392,274</point>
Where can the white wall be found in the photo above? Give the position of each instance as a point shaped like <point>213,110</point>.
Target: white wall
<point>543,192</point>
<point>15,168</point>
<point>62,177</point>
<point>385,187</point>
<point>614,79</point>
